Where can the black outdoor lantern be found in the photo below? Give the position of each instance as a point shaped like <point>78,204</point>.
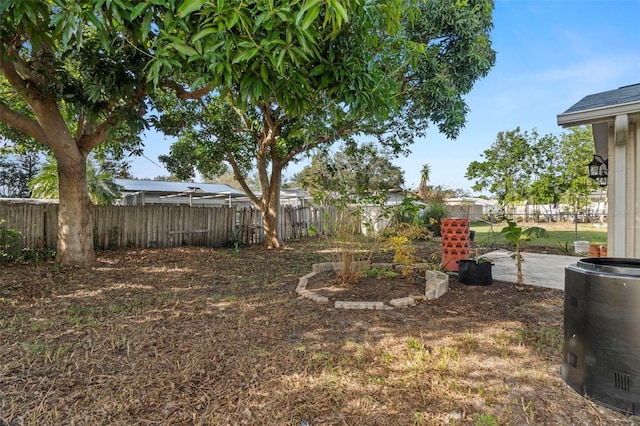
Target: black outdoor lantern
<point>599,170</point>
<point>603,178</point>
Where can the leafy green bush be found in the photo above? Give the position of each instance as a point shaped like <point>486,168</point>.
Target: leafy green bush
<point>432,215</point>
<point>37,255</point>
<point>10,244</point>
<point>11,249</point>
<point>380,273</point>
<point>407,212</point>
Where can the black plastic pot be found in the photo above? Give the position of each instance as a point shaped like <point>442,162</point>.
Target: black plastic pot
<point>471,272</point>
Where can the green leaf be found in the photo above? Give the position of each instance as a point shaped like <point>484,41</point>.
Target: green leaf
<point>257,90</point>
<point>94,19</point>
<point>264,73</point>
<point>232,20</point>
<point>146,23</point>
<point>341,12</point>
<point>189,6</point>
<point>310,4</point>
<point>536,232</point>
<point>137,11</point>
<point>120,4</point>
<point>184,49</point>
<point>280,62</point>
<point>310,17</point>
<point>204,33</point>
<point>245,55</point>
<point>30,14</point>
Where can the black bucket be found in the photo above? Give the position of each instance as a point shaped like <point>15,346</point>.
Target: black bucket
<point>471,272</point>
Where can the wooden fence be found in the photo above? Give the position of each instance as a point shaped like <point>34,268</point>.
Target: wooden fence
<point>38,223</point>
<point>161,225</point>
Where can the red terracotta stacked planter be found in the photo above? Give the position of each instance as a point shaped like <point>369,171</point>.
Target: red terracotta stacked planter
<point>455,242</point>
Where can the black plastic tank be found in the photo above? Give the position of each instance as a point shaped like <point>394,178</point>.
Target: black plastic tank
<point>601,357</point>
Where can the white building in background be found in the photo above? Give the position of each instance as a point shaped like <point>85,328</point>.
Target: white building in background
<point>614,116</point>
<point>471,208</point>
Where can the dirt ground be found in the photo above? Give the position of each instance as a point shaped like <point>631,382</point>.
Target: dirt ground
<point>200,336</point>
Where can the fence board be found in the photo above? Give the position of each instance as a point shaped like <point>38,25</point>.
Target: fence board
<point>161,225</point>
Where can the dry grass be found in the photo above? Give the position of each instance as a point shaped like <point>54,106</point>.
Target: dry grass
<point>206,337</point>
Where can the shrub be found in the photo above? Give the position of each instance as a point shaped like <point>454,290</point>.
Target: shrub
<point>11,249</point>
<point>10,244</point>
<point>432,215</point>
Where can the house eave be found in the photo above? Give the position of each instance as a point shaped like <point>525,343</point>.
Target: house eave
<point>599,115</point>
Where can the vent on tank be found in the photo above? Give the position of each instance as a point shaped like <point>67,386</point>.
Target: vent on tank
<point>622,380</point>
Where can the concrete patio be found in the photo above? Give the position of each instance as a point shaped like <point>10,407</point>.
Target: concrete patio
<point>542,270</point>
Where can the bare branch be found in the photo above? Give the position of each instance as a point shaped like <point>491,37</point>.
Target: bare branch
<point>11,73</point>
<point>241,180</point>
<point>184,94</point>
<point>347,129</point>
<point>23,123</point>
<point>87,142</point>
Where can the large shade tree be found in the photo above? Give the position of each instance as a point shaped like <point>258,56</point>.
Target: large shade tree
<point>506,170</point>
<point>565,176</point>
<point>524,166</point>
<point>272,82</point>
<point>73,74</point>
<point>576,151</point>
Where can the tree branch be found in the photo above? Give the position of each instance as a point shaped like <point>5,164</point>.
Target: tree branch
<point>241,180</point>
<point>347,129</point>
<point>184,94</point>
<point>88,142</point>
<point>25,124</point>
<point>239,112</point>
<point>11,73</point>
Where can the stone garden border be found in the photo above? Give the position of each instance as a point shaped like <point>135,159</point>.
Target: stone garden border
<point>436,284</point>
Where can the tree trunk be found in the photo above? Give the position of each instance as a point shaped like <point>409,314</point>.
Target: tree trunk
<point>575,217</point>
<point>519,267</point>
<point>271,210</point>
<point>75,224</point>
<point>271,234</point>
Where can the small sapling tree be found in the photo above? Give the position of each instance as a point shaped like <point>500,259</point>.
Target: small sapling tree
<point>518,237</point>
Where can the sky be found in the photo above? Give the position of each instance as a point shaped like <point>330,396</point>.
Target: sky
<point>550,54</point>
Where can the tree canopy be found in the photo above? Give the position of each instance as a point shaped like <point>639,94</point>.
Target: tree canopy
<point>73,78</point>
<point>284,80</point>
<point>272,81</point>
<point>506,170</point>
<point>522,166</point>
<point>359,171</point>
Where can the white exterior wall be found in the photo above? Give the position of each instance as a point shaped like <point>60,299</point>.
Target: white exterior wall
<point>624,194</point>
